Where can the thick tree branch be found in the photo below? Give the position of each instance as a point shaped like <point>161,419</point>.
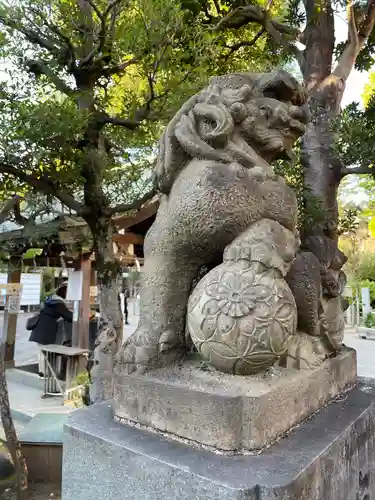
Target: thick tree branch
<point>119,68</point>
<point>122,122</point>
<point>363,170</point>
<point>65,39</point>
<point>41,68</point>
<point>33,37</point>
<point>5,210</point>
<point>359,31</point>
<point>46,186</point>
<point>135,205</point>
<point>19,218</point>
<point>281,33</point>
<point>112,6</point>
<point>13,205</point>
<point>105,33</point>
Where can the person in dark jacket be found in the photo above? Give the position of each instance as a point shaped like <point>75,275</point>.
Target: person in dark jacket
<point>45,330</point>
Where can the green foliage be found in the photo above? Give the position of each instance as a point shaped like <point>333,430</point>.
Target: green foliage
<point>366,267</point>
<point>309,207</point>
<point>121,69</point>
<point>370,320</point>
<point>81,379</point>
<point>371,286</point>
<point>355,136</point>
<point>348,220</point>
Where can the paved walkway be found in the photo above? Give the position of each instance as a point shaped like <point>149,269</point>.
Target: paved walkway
<point>28,400</point>
<point>365,353</point>
<point>27,352</point>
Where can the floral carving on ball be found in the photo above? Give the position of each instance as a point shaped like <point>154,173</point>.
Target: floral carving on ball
<point>239,320</point>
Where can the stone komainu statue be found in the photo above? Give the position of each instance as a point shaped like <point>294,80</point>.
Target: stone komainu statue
<point>223,206</point>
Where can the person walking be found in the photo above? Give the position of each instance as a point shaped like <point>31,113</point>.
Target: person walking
<point>44,329</point>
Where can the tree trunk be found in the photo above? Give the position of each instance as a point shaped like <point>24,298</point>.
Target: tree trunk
<point>321,171</point>
<point>111,332</point>
<point>108,274</point>
<point>11,436</point>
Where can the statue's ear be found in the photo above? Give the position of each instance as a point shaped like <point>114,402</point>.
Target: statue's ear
<point>171,157</point>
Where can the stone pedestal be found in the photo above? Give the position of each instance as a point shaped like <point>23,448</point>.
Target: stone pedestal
<point>331,456</point>
<point>227,412</point>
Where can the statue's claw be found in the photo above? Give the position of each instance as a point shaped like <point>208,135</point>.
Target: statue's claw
<point>137,356</point>
<point>167,341</point>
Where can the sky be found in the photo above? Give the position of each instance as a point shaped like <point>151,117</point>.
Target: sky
<point>357,80</point>
<point>353,92</point>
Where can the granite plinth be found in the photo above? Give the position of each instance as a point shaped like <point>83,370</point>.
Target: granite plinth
<point>229,412</point>
<point>331,456</point>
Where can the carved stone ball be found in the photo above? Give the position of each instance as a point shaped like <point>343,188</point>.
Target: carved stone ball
<point>240,320</point>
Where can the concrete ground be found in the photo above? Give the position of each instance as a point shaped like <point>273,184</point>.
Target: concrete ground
<point>27,398</point>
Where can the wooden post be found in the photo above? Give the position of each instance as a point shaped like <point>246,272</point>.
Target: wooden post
<point>10,320</point>
<point>93,283</point>
<point>84,305</point>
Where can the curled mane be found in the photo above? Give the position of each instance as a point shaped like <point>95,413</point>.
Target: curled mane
<point>208,125</point>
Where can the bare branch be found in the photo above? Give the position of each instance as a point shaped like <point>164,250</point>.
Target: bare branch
<point>135,205</point>
<point>144,111</point>
<point>100,15</point>
<point>244,43</point>
<point>122,122</point>
<point>217,7</point>
<point>103,31</point>
<point>44,185</point>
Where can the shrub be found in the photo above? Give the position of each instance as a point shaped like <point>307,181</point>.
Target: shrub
<point>366,267</point>
<point>370,320</point>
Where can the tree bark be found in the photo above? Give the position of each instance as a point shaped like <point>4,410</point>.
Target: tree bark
<point>96,211</point>
<point>321,168</point>
<point>108,274</point>
<point>11,436</point>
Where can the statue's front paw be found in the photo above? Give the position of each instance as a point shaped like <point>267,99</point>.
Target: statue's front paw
<point>137,356</point>
<point>135,359</point>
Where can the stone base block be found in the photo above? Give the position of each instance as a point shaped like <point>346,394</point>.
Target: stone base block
<point>229,412</point>
<point>329,457</point>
